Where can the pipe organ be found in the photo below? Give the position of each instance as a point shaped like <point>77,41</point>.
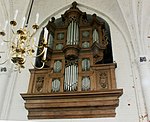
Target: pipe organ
<point>73,33</point>
<point>78,78</point>
<point>71,78</point>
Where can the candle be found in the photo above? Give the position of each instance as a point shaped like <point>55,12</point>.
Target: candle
<point>45,35</point>
<point>45,53</point>
<point>37,18</point>
<point>15,16</point>
<point>34,39</point>
<point>33,42</point>
<point>6,23</point>
<point>23,22</point>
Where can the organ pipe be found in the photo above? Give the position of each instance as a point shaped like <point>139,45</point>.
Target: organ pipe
<point>71,39</point>
<point>73,33</point>
<point>77,34</point>
<point>71,76</point>
<point>50,42</point>
<point>68,77</point>
<point>95,36</point>
<point>55,85</point>
<point>68,30</point>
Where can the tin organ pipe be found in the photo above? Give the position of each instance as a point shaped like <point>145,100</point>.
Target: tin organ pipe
<point>55,85</point>
<point>65,79</point>
<point>71,40</point>
<point>75,77</point>
<point>73,81</point>
<point>71,76</point>
<point>50,42</point>
<point>69,79</point>
<point>77,34</point>
<point>68,34</point>
<point>68,82</point>
<point>95,36</point>
<point>73,34</point>
<point>84,64</point>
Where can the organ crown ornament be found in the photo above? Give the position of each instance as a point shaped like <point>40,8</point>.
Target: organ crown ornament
<point>79,72</point>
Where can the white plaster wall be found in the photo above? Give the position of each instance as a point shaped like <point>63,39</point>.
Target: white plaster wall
<point>125,52</point>
<point>124,78</point>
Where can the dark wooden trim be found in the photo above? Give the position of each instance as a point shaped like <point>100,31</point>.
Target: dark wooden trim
<point>72,105</point>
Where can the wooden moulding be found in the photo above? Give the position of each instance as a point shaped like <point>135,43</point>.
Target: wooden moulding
<point>71,52</point>
<point>94,104</point>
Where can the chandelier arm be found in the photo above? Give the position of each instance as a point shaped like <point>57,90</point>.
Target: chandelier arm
<point>13,37</point>
<point>4,62</point>
<point>13,34</point>
<point>38,54</point>
<point>4,40</point>
<point>34,32</point>
<point>37,67</point>
<point>31,38</point>
<point>12,31</point>
<point>32,35</point>
<point>38,46</point>
<point>24,61</point>
<point>8,55</point>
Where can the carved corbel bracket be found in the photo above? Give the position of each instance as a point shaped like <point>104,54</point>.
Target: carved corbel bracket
<point>98,52</point>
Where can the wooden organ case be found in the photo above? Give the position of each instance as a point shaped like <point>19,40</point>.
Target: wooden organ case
<point>78,79</point>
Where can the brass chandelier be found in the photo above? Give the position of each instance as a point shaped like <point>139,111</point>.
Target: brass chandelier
<point>21,43</point>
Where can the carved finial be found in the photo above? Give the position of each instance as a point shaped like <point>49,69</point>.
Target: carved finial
<point>94,16</point>
<point>74,4</point>
<point>84,15</point>
<point>52,19</point>
<point>63,17</point>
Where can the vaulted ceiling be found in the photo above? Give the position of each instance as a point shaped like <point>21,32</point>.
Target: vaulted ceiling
<point>131,16</point>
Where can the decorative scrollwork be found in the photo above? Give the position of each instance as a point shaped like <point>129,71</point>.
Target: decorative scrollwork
<point>103,80</point>
<point>39,84</point>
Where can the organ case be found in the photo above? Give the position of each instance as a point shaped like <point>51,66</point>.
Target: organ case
<point>78,79</point>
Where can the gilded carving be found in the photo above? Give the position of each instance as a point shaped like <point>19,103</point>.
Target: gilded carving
<point>103,80</point>
<point>39,84</point>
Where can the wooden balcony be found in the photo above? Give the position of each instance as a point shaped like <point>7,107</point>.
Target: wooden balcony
<point>100,100</point>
